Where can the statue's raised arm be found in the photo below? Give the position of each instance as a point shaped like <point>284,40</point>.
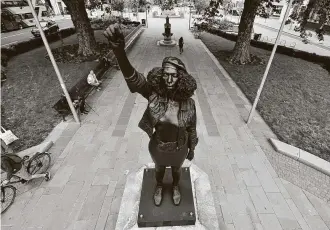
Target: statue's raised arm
<point>136,81</point>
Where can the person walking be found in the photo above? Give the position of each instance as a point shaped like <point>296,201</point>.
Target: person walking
<point>181,44</point>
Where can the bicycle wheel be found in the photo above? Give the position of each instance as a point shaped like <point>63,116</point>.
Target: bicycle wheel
<point>39,163</point>
<point>15,179</point>
<point>8,194</point>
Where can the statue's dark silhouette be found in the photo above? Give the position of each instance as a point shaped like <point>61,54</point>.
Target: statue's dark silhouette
<point>170,117</point>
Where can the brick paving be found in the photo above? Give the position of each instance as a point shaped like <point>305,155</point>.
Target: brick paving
<point>91,165</point>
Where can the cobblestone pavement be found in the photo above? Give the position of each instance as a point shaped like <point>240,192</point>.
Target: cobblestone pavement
<point>89,175</point>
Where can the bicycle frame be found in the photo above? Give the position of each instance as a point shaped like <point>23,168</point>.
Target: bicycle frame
<point>13,182</point>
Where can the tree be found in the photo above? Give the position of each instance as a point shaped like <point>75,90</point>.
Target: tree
<point>118,5</point>
<point>167,5</point>
<point>93,4</point>
<point>200,5</point>
<point>85,34</point>
<point>241,52</point>
<point>227,6</point>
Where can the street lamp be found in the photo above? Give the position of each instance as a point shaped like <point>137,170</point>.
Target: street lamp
<point>189,15</point>
<point>147,9</point>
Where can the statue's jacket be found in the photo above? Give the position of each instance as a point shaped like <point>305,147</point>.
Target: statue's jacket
<point>151,89</point>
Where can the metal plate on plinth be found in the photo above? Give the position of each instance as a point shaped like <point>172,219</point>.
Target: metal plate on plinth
<point>167,214</point>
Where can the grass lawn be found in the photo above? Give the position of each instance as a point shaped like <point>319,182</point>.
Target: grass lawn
<point>295,101</point>
<point>32,88</point>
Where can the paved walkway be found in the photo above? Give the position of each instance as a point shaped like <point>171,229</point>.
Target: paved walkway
<point>89,175</point>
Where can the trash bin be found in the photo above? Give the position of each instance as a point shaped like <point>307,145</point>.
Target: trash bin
<point>143,22</point>
<point>257,37</point>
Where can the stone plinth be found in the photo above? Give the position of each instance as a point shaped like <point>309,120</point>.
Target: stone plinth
<point>167,43</point>
<point>167,214</point>
<point>206,217</point>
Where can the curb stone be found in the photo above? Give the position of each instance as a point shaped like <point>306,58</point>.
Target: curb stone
<point>301,156</point>
<point>281,147</point>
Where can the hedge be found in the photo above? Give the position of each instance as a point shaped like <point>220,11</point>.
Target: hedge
<point>102,24</point>
<point>312,57</point>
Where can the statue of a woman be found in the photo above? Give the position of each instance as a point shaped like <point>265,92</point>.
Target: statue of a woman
<point>170,118</point>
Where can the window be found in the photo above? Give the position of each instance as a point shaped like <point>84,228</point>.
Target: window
<point>27,16</point>
<point>9,3</point>
<point>44,14</point>
<point>37,10</point>
<point>17,17</point>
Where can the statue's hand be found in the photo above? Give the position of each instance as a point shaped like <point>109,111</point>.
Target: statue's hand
<point>191,155</point>
<point>116,38</point>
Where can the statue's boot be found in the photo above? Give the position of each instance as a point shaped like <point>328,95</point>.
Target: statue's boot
<point>158,195</point>
<point>176,195</point>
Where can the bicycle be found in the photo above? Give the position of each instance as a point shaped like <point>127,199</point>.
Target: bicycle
<point>32,165</point>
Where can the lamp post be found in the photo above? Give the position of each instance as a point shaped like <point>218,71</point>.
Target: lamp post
<point>57,71</point>
<point>147,9</point>
<point>269,63</point>
<point>189,15</point>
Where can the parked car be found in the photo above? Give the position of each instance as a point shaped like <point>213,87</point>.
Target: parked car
<point>49,27</point>
<point>234,12</point>
<point>264,15</point>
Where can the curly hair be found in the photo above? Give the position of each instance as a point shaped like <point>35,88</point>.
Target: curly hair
<point>185,86</point>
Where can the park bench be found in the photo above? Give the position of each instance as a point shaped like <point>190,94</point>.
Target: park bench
<point>82,89</point>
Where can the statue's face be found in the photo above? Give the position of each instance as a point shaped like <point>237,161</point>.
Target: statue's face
<point>170,76</point>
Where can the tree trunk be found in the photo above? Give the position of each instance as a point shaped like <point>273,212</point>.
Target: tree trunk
<point>241,53</point>
<point>85,34</point>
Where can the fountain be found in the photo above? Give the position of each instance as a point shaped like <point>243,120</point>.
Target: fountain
<point>167,35</point>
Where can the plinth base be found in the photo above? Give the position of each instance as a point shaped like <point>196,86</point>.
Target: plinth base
<point>167,43</point>
<point>206,217</point>
<point>167,214</point>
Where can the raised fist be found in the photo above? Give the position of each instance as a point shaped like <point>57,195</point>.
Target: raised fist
<point>116,38</point>
<point>191,155</point>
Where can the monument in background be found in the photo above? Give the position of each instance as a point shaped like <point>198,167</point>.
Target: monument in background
<point>167,35</point>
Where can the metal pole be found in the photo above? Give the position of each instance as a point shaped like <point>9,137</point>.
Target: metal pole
<point>189,16</point>
<point>147,17</point>
<point>75,115</point>
<point>269,63</point>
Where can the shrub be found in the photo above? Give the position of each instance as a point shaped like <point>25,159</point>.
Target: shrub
<point>102,24</point>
